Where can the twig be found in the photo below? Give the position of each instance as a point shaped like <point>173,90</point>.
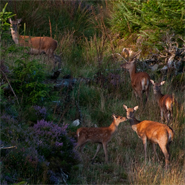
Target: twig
<point>79,111</point>
<point>50,27</point>
<point>8,147</point>
<point>10,86</point>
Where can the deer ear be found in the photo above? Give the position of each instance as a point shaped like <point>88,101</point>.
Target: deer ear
<point>136,107</point>
<point>114,116</point>
<point>162,82</point>
<point>152,82</point>
<point>125,107</point>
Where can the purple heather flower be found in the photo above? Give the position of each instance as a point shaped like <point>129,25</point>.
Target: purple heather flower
<point>58,144</point>
<point>41,111</point>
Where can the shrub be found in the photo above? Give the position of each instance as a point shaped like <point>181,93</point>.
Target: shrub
<point>28,82</point>
<point>44,148</point>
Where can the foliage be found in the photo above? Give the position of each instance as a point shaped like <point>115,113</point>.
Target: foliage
<point>28,81</point>
<point>45,148</point>
<point>4,26</point>
<point>151,19</point>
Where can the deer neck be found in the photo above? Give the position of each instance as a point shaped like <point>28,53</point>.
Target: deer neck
<point>134,123</point>
<point>113,127</point>
<point>132,72</point>
<point>15,36</point>
<point>158,94</point>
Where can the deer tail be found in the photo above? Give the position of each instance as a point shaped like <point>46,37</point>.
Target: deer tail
<point>145,83</point>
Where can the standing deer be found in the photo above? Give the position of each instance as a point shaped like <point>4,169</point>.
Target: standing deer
<point>165,102</point>
<point>38,45</point>
<point>140,81</point>
<point>100,135</point>
<point>156,132</point>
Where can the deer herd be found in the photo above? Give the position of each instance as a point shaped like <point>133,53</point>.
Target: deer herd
<point>147,130</point>
<point>157,133</point>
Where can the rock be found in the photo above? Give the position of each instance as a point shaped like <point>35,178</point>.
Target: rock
<point>154,67</point>
<point>75,123</point>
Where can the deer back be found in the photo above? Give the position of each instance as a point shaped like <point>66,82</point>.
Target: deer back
<point>155,131</point>
<point>94,134</point>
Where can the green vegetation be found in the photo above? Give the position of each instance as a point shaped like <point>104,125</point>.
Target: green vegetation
<point>36,116</point>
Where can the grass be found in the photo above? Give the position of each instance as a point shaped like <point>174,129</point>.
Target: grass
<point>125,150</point>
<point>81,50</point>
<point>126,153</point>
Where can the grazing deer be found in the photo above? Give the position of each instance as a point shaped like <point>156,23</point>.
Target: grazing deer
<point>38,45</point>
<point>100,135</point>
<point>165,102</point>
<point>156,132</point>
<point>140,81</point>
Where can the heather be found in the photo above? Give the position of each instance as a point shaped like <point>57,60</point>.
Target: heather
<point>40,150</point>
<point>37,109</point>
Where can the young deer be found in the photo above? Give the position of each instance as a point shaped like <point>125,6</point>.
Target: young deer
<point>165,102</point>
<point>156,132</point>
<point>140,81</point>
<point>38,45</point>
<point>100,135</point>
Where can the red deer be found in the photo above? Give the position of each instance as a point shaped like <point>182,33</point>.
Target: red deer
<point>165,102</point>
<point>140,81</point>
<point>100,135</point>
<point>38,45</point>
<point>156,132</point>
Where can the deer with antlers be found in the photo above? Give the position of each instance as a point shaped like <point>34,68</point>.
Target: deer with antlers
<point>140,81</point>
<point>100,135</point>
<point>165,102</point>
<point>156,132</point>
<point>38,45</point>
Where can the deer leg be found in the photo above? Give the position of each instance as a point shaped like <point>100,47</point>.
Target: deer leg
<point>145,146</point>
<point>155,153</point>
<point>162,115</point>
<point>169,116</point>
<point>147,92</point>
<point>165,149</point>
<point>140,94</point>
<point>168,149</point>
<point>105,151</point>
<point>97,150</point>
<point>166,116</point>
<point>80,144</point>
<point>135,92</point>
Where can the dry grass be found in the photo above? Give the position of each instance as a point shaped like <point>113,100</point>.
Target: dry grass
<point>126,155</point>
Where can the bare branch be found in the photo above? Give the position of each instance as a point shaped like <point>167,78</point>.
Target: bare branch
<point>9,147</point>
<point>10,86</point>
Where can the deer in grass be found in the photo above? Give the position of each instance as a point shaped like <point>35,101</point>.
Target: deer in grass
<point>156,132</point>
<point>165,102</point>
<point>100,135</point>
<point>140,81</point>
<point>38,45</point>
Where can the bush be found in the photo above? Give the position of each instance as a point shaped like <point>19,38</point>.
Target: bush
<point>43,149</point>
<point>28,82</point>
